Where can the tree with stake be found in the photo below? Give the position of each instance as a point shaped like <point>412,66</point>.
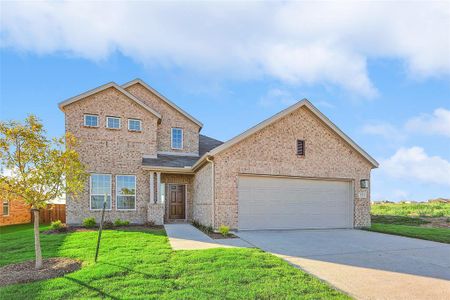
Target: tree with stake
<point>40,169</point>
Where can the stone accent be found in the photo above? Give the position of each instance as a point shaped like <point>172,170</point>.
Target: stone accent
<point>170,118</point>
<point>202,197</point>
<point>272,150</point>
<point>19,213</point>
<point>156,213</point>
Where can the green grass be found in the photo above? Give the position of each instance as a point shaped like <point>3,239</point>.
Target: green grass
<point>141,265</point>
<point>433,234</point>
<point>412,209</point>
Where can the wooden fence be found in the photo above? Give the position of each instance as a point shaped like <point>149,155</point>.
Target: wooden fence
<point>52,213</point>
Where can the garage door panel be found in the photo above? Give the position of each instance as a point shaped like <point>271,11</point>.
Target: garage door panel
<point>288,203</point>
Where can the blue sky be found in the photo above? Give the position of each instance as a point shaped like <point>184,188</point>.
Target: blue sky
<point>386,84</point>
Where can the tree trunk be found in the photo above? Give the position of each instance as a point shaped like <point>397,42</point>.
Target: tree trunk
<point>37,241</point>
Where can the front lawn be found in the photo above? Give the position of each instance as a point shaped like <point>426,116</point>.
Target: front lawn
<point>433,234</point>
<point>135,264</point>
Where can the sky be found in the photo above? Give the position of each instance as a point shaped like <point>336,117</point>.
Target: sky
<point>379,70</point>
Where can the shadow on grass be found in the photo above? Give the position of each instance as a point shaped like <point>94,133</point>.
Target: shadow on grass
<point>100,292</point>
<point>154,231</point>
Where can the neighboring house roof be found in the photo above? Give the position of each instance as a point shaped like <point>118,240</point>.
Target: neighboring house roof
<point>206,144</point>
<point>104,87</point>
<point>280,115</point>
<point>176,107</point>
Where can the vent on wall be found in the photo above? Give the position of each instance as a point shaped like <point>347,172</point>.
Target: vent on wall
<point>300,147</point>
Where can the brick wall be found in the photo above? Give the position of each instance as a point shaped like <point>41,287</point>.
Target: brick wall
<point>272,150</point>
<point>202,197</point>
<point>19,213</point>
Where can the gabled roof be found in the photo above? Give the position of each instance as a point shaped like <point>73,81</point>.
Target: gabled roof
<point>104,87</point>
<point>280,115</point>
<point>176,107</point>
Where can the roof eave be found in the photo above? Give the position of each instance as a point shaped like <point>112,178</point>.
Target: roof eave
<point>177,170</point>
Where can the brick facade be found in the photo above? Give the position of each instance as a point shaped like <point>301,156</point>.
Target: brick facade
<point>202,197</point>
<point>272,150</point>
<point>19,213</point>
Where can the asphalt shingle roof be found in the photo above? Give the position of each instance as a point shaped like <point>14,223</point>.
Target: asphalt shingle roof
<point>163,160</point>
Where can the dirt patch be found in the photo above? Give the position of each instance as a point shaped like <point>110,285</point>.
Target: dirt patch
<point>25,271</point>
<point>439,222</point>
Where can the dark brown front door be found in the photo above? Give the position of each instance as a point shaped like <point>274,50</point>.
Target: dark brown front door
<point>177,201</point>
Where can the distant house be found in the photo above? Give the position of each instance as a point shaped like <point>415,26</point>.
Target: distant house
<point>15,212</point>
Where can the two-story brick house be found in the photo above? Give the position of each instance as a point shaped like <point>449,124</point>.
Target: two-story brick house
<point>293,170</point>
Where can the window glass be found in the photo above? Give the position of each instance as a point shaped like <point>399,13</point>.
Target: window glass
<point>126,191</point>
<point>91,120</point>
<point>177,138</point>
<point>113,122</point>
<point>100,185</point>
<point>134,125</point>
<point>5,208</point>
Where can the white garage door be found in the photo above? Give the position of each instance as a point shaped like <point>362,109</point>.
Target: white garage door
<point>291,203</point>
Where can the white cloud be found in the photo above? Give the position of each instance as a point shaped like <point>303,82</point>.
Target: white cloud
<point>437,123</point>
<point>275,97</point>
<point>415,164</point>
<point>385,130</point>
<point>297,43</point>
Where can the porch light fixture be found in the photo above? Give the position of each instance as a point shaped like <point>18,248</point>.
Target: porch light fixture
<point>364,183</point>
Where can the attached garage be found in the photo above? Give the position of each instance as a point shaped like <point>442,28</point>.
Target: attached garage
<point>266,202</point>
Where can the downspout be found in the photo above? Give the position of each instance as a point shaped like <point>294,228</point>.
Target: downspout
<point>213,217</point>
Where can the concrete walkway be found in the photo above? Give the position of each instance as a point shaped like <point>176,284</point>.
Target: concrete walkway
<point>366,265</point>
<point>187,237</point>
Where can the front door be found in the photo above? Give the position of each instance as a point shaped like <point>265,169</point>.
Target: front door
<point>177,201</point>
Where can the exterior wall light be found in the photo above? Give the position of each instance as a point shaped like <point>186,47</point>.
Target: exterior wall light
<point>364,183</point>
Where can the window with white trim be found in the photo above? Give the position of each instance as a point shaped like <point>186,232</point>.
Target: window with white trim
<point>134,125</point>
<point>5,208</point>
<point>113,122</point>
<point>125,192</point>
<point>177,138</point>
<point>91,120</point>
<point>100,186</point>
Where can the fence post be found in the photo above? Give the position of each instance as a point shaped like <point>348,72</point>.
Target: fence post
<point>100,228</point>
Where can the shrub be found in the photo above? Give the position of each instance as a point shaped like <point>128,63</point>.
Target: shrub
<point>56,225</point>
<point>149,224</point>
<point>224,230</point>
<point>89,222</point>
<point>120,222</point>
<point>204,228</point>
<point>108,224</point>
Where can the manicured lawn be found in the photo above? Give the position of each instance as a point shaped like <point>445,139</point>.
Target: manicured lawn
<point>412,209</point>
<point>141,265</point>
<point>433,234</point>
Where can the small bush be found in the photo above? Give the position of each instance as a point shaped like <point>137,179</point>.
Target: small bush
<point>56,225</point>
<point>204,228</point>
<point>149,224</point>
<point>108,225</point>
<point>89,222</point>
<point>224,230</point>
<point>120,222</point>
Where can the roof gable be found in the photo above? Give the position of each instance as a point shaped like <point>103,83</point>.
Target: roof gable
<point>280,115</point>
<point>163,98</point>
<point>64,103</point>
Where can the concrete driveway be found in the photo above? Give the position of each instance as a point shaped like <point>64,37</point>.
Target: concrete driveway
<point>366,265</point>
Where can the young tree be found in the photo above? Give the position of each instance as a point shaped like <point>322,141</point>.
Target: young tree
<point>40,169</point>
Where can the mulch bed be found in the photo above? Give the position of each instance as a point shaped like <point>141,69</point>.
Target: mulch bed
<point>25,271</point>
<point>218,236</point>
<point>83,229</point>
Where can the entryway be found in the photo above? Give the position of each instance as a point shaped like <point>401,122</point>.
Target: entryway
<point>176,202</point>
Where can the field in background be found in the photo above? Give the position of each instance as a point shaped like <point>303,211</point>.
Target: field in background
<point>425,209</point>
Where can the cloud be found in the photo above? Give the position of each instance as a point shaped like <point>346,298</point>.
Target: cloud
<point>385,130</point>
<point>437,123</point>
<point>275,97</point>
<point>415,164</point>
<point>297,43</point>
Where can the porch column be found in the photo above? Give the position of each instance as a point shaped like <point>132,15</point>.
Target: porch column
<point>152,187</point>
<point>158,187</point>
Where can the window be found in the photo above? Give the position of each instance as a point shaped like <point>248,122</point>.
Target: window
<point>100,186</point>
<point>91,120</point>
<point>5,208</point>
<point>177,138</point>
<point>134,125</point>
<point>126,192</point>
<point>300,147</point>
<point>113,122</point>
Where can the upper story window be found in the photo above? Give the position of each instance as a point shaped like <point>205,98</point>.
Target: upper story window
<point>177,138</point>
<point>91,120</point>
<point>125,192</point>
<point>113,122</point>
<point>301,147</point>
<point>100,186</point>
<point>134,125</point>
<point>5,208</point>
